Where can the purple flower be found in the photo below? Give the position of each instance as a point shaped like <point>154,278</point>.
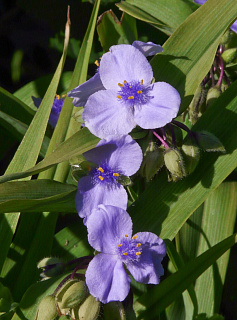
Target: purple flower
<point>114,158</point>
<point>127,96</point>
<point>110,232</point>
<point>94,84</point>
<point>56,109</point>
<point>234,25</point>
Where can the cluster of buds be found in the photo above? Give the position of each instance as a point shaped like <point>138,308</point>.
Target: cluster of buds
<point>217,80</point>
<point>70,299</point>
<point>180,156</point>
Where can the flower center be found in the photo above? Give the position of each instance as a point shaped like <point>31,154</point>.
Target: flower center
<point>104,174</point>
<point>129,249</point>
<point>134,93</point>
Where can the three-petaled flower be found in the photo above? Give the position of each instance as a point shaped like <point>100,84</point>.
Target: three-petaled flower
<point>126,96</point>
<point>113,158</point>
<point>110,233</point>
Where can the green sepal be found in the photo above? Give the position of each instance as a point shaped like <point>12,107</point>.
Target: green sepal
<point>124,180</point>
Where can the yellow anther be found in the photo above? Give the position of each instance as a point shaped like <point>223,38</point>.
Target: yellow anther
<point>126,235</point>
<point>116,174</point>
<point>125,81</point>
<point>120,84</point>
<point>141,82</point>
<point>64,96</point>
<point>119,97</point>
<point>125,254</point>
<point>57,96</point>
<point>138,253</point>
<point>134,237</point>
<point>130,87</point>
<point>97,63</point>
<point>101,178</point>
<point>88,168</point>
<point>140,91</point>
<point>138,245</point>
<point>101,169</point>
<point>120,245</point>
<point>130,97</point>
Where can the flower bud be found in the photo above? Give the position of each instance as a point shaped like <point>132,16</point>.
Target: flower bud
<point>89,309</point>
<point>198,104</point>
<point>174,163</point>
<point>209,142</point>
<point>191,156</point>
<point>114,311</point>
<point>229,55</point>
<point>153,160</point>
<point>212,94</point>
<point>124,180</point>
<point>74,295</point>
<point>63,289</point>
<point>51,267</point>
<point>47,309</point>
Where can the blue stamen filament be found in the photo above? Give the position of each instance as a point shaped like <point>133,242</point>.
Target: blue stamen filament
<point>134,93</point>
<point>104,174</point>
<point>129,249</point>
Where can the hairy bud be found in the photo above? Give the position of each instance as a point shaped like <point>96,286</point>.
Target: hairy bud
<point>89,309</point>
<point>174,163</point>
<point>209,142</point>
<point>47,309</point>
<point>213,94</point>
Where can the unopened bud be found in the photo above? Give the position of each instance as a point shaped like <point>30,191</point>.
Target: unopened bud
<point>74,295</point>
<point>47,309</point>
<point>114,311</point>
<point>153,160</point>
<point>229,55</point>
<point>209,142</point>
<point>191,156</point>
<point>89,309</point>
<point>174,163</point>
<point>213,94</point>
<point>198,104</point>
<point>51,267</point>
<point>60,293</point>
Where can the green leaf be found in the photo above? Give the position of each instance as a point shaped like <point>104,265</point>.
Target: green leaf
<point>79,143</point>
<point>28,151</point>
<point>36,195</point>
<point>18,130</point>
<point>164,207</point>
<point>170,13</point>
<point>188,54</point>
<point>218,222</point>
<point>111,31</point>
<point>168,290</point>
<point>14,107</point>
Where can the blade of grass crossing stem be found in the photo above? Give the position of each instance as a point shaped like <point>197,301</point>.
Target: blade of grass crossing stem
<point>218,222</point>
<point>159,297</point>
<point>28,151</point>
<point>66,125</point>
<point>164,212</point>
<point>188,54</point>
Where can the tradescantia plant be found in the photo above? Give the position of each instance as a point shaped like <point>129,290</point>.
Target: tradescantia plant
<point>152,205</point>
